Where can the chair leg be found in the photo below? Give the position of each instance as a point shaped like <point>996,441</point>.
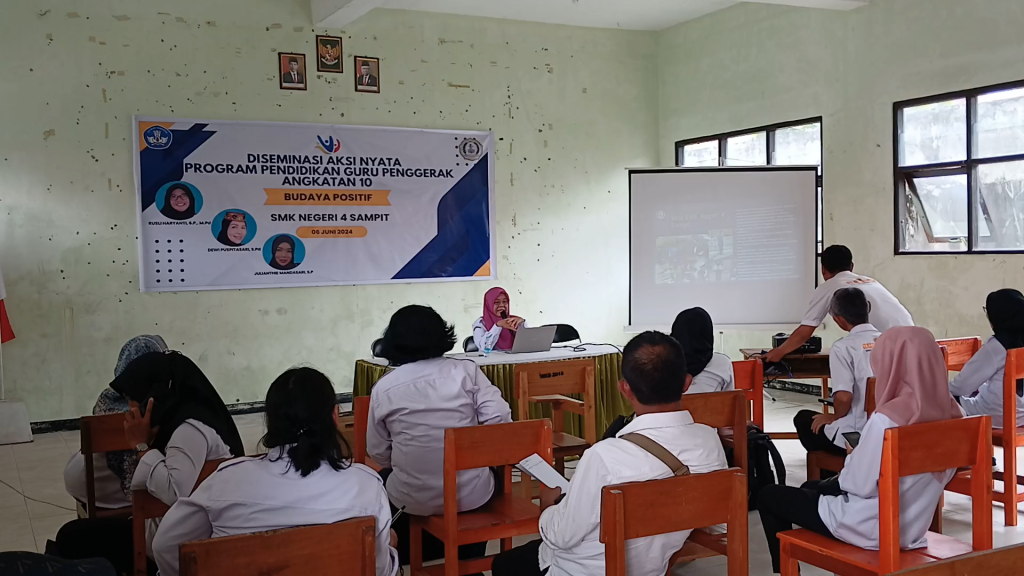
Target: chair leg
<point>936,526</point>
<point>813,472</point>
<point>560,465</point>
<point>415,547</point>
<point>788,566</point>
<point>1010,497</point>
<point>451,558</point>
<point>506,544</point>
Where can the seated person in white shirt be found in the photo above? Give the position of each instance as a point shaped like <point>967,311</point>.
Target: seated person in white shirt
<point>707,371</point>
<point>184,423</point>
<point>910,389</point>
<point>837,270</point>
<point>411,407</point>
<point>307,478</point>
<point>850,365</point>
<point>983,373</point>
<point>496,329</point>
<point>654,372</point>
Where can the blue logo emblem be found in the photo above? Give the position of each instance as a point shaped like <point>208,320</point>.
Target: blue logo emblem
<point>158,137</point>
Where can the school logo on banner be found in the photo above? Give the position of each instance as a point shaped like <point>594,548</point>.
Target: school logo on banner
<point>471,149</point>
<point>158,137</point>
<point>329,146</point>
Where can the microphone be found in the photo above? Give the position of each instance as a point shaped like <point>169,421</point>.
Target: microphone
<point>504,315</point>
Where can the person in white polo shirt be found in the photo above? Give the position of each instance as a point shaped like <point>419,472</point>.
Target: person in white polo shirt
<point>837,270</point>
<point>850,366</point>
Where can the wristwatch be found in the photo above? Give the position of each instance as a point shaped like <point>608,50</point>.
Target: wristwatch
<point>141,447</point>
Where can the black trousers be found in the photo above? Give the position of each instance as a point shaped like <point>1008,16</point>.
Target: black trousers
<point>433,548</point>
<point>32,564</point>
<point>781,507</point>
<point>519,561</point>
<point>812,442</point>
<point>107,538</point>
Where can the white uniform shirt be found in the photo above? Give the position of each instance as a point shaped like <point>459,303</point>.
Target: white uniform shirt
<point>484,338</point>
<point>571,529</point>
<point>886,310</point>
<point>849,362</point>
<point>853,517</point>
<point>717,376</point>
<point>259,494</point>
<point>410,408</point>
<point>983,374</point>
<point>108,486</point>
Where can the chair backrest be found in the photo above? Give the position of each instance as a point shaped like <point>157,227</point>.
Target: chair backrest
<point>469,345</point>
<point>346,547</point>
<point>641,509</point>
<point>748,376</point>
<point>99,434</point>
<point>988,563</point>
<point>722,410</point>
<point>869,396</point>
<point>361,409</point>
<point>1012,372</point>
<point>565,333</point>
<point>934,447</point>
<point>559,377</point>
<point>959,351</point>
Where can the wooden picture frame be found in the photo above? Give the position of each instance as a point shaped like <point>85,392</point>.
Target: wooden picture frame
<point>289,78</point>
<point>368,81</point>
<point>330,53</point>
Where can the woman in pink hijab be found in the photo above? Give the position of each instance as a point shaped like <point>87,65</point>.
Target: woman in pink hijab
<point>496,329</point>
<point>910,388</point>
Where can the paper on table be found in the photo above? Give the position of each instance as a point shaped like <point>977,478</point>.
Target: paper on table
<point>537,467</point>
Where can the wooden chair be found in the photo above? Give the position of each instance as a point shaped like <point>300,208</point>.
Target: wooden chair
<point>344,548</point>
<point>748,376</point>
<point>549,383</point>
<point>1010,438</point>
<point>146,506</point>
<point>820,460</point>
<point>988,563</point>
<point>959,351</point>
<point>907,451</point>
<point>100,434</point>
<point>504,517</point>
<point>681,503</point>
<point>361,409</point>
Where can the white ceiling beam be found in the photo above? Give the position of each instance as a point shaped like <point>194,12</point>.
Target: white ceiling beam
<point>340,13</point>
<point>825,4</point>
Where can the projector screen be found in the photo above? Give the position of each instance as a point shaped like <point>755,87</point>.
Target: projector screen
<point>738,242</point>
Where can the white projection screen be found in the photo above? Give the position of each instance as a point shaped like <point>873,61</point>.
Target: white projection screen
<point>738,242</point>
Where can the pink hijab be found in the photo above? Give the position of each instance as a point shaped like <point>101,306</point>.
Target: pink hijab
<point>507,337</point>
<point>911,384</point>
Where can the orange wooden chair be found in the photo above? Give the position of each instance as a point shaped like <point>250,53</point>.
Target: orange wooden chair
<point>1010,438</point>
<point>907,451</point>
<point>344,548</point>
<point>819,460</point>
<point>988,563</point>
<point>748,376</point>
<point>146,506</point>
<point>100,434</point>
<point>681,503</point>
<point>959,351</point>
<point>361,417</point>
<point>549,383</point>
<point>504,517</point>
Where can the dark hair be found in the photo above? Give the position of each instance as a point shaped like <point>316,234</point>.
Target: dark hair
<point>173,214</point>
<point>293,60</point>
<point>837,258</point>
<point>654,366</point>
<point>417,333</point>
<point>851,305</point>
<point>299,413</point>
<point>274,245</point>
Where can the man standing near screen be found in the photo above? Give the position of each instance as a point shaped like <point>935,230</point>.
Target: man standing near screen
<point>837,270</point>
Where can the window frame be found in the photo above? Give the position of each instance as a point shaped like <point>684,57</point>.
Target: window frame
<point>968,167</point>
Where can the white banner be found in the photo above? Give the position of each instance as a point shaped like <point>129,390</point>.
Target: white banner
<point>262,204</point>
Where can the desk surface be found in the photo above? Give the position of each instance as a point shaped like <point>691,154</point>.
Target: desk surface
<point>556,353</point>
<point>748,352</point>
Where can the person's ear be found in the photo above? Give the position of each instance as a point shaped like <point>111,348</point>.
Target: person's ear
<point>689,380</point>
<point>336,415</point>
<point>626,391</point>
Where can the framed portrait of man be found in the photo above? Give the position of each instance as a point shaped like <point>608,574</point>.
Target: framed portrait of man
<point>292,68</point>
<point>328,54</point>
<point>367,74</point>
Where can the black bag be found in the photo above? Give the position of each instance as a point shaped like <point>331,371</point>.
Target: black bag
<point>761,456</point>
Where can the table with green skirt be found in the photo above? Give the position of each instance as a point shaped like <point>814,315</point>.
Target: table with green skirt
<point>499,368</point>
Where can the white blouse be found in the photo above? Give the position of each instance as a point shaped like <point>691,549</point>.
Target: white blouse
<point>983,374</point>
<point>108,486</point>
<point>717,376</point>
<point>484,338</point>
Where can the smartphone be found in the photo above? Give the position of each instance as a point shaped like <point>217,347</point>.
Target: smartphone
<point>852,438</point>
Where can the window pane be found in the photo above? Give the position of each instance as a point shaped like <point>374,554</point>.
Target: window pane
<point>1000,124</point>
<point>935,220</point>
<point>934,133</point>
<point>798,146</point>
<point>701,154</point>
<point>821,232</point>
<point>747,150</point>
<point>1000,206</point>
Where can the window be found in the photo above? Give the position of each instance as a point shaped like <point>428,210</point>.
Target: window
<point>959,167</point>
<point>788,144</point>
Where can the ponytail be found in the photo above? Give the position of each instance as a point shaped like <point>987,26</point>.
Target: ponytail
<point>317,445</point>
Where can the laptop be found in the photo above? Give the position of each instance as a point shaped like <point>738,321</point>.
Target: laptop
<point>533,340</point>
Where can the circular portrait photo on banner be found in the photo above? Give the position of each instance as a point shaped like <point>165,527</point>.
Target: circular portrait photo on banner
<point>284,252</point>
<point>179,200</point>
<point>234,227</point>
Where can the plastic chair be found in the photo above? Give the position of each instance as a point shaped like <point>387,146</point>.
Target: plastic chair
<point>565,333</point>
<point>469,345</point>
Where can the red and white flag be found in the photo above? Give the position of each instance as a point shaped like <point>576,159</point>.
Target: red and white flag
<point>6,333</point>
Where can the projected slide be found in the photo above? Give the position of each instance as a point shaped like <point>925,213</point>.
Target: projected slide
<point>738,243</point>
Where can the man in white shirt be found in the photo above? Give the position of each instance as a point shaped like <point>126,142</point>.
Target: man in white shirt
<point>837,270</point>
<point>850,366</point>
<point>654,372</point>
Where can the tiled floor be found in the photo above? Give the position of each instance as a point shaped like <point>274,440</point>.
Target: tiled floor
<point>36,469</point>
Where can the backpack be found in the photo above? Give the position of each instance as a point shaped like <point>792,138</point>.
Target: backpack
<point>761,456</point>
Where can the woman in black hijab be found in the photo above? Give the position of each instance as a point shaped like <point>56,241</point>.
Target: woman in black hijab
<point>979,386</point>
<point>282,253</point>
<point>180,203</point>
<point>706,370</point>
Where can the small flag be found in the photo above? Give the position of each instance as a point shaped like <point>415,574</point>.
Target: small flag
<point>6,333</point>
